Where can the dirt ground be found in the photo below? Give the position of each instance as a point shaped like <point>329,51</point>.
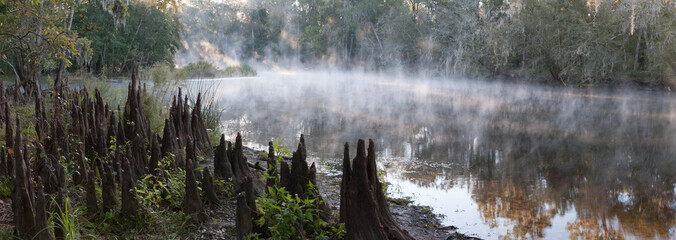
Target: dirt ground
<point>419,221</point>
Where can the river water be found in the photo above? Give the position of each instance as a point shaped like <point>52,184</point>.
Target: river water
<point>498,160</point>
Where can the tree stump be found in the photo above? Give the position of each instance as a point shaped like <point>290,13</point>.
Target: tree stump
<point>272,166</point>
<point>364,208</point>
<point>296,181</point>
<point>23,204</point>
<point>244,223</point>
<point>238,160</point>
<point>129,203</point>
<point>170,146</point>
<point>92,202</point>
<point>42,233</point>
<point>199,129</point>
<point>155,156</point>
<point>208,187</point>
<point>191,201</point>
<point>222,166</point>
<point>108,188</point>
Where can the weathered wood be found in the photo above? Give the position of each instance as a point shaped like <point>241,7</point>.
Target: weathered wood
<point>238,160</point>
<point>9,135</point>
<point>297,180</point>
<point>137,123</point>
<point>366,214</point>
<point>391,228</point>
<point>272,166</point>
<point>92,202</point>
<point>191,201</point>
<point>121,135</point>
<point>300,173</point>
<point>170,146</point>
<point>208,187</point>
<point>130,205</point>
<point>155,156</point>
<point>139,155</point>
<point>244,222</point>
<point>112,130</point>
<point>284,174</point>
<point>344,182</point>
<point>190,151</point>
<point>248,188</point>
<point>108,188</point>
<point>199,129</point>
<point>41,231</point>
<point>23,204</point>
<point>222,166</point>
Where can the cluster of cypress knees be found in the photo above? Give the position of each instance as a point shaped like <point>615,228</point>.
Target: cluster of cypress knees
<point>121,148</point>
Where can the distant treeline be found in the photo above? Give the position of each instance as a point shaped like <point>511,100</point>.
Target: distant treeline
<point>570,42</point>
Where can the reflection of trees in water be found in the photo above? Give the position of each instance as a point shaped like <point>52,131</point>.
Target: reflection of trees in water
<point>531,187</point>
<point>525,159</point>
<point>593,228</point>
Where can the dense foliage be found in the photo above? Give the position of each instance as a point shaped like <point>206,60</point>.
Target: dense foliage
<point>567,42</point>
<point>139,36</point>
<point>35,36</point>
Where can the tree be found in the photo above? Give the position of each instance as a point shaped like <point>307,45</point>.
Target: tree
<point>33,32</point>
<point>138,35</point>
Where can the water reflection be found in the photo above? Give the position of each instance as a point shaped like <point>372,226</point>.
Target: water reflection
<point>535,162</point>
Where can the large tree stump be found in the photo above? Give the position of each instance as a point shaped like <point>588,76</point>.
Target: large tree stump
<point>364,208</point>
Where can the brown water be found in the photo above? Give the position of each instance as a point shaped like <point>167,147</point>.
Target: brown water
<point>498,160</point>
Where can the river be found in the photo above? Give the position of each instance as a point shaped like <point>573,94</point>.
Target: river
<point>497,159</point>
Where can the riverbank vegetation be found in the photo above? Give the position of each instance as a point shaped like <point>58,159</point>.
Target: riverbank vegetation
<point>577,42</point>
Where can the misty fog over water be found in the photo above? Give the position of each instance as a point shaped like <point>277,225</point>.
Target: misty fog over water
<point>498,160</point>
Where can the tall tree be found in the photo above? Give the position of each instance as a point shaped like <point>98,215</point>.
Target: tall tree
<point>33,32</point>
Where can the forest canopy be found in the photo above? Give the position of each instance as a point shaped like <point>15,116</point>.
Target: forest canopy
<point>574,42</point>
<point>567,42</point>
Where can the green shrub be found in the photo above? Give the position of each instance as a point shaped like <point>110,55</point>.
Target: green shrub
<point>283,215</point>
<point>201,69</point>
<point>167,189</point>
<point>242,70</point>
